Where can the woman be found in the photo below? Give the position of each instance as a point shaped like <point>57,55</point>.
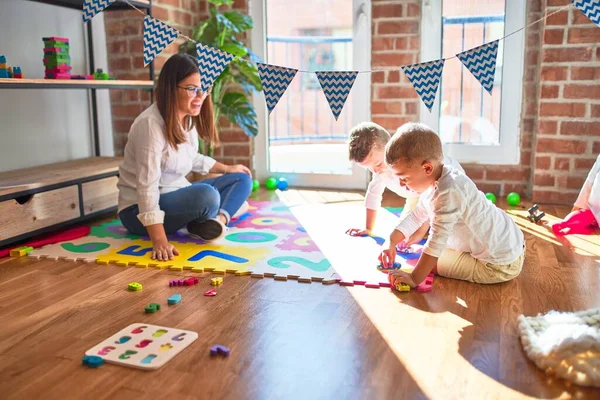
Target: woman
<point>155,198</point>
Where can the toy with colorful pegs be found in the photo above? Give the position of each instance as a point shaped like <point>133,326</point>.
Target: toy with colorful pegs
<point>17,73</point>
<point>21,251</point>
<point>174,299</point>
<point>219,349</point>
<point>513,199</point>
<point>134,286</point>
<point>92,361</point>
<point>282,184</point>
<point>491,197</point>
<point>535,214</point>
<point>3,67</point>
<point>216,281</point>
<point>152,308</point>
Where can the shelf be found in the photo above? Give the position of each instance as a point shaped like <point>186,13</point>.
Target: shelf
<point>72,84</point>
<point>78,4</point>
<point>59,174</point>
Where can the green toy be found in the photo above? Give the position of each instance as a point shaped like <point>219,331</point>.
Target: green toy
<point>255,185</point>
<point>491,197</point>
<point>513,199</point>
<point>271,183</point>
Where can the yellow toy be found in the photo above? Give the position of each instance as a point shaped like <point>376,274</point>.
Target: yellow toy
<point>20,251</point>
<point>216,281</point>
<point>134,286</point>
<point>402,287</point>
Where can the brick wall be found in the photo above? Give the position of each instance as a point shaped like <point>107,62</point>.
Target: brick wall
<point>560,120</point>
<point>124,36</point>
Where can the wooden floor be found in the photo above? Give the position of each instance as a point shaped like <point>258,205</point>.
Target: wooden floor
<point>291,340</point>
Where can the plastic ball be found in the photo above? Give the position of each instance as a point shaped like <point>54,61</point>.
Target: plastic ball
<point>491,197</point>
<point>513,199</point>
<point>255,185</point>
<point>282,184</point>
<point>271,183</point>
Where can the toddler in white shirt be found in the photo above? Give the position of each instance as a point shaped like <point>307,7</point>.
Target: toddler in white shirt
<point>367,148</point>
<point>470,238</point>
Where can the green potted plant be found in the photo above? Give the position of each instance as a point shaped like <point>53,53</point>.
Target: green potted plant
<point>232,90</point>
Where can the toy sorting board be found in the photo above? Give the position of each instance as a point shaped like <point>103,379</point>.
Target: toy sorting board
<point>267,241</point>
<point>143,346</point>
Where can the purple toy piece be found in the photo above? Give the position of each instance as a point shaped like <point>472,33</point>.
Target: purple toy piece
<point>219,349</point>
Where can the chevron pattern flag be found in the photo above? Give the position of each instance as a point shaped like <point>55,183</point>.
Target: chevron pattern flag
<point>425,78</point>
<point>336,86</point>
<point>591,8</point>
<point>275,81</point>
<point>211,63</point>
<point>157,36</point>
<point>93,7</point>
<point>481,62</point>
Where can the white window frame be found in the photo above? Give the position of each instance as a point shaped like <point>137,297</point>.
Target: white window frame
<point>508,151</point>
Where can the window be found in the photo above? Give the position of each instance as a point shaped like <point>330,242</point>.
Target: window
<point>475,126</point>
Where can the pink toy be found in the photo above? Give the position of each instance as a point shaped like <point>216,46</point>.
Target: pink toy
<point>184,282</point>
<point>427,285</point>
<point>211,293</point>
<point>581,222</point>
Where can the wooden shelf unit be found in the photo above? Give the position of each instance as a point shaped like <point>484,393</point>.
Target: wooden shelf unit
<point>43,198</point>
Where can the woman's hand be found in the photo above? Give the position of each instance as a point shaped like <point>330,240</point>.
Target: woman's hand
<point>163,250</point>
<point>230,169</point>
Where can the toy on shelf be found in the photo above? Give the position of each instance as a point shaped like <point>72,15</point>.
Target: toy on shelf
<point>100,75</point>
<point>535,214</point>
<point>513,199</point>
<point>9,72</point>
<point>57,60</point>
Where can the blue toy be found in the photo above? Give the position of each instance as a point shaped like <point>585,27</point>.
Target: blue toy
<point>92,361</point>
<point>282,184</point>
<point>174,299</point>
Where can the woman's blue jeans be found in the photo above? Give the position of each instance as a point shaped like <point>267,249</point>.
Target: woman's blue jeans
<point>200,201</point>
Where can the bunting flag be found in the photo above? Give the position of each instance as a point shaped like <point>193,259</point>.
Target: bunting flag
<point>211,63</point>
<point>275,81</point>
<point>481,62</point>
<point>591,8</point>
<point>93,7</point>
<point>336,86</point>
<point>157,36</point>
<point>425,78</point>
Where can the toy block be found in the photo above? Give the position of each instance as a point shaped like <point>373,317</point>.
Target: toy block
<point>216,281</point>
<point>10,72</point>
<point>2,59</point>
<point>402,287</point>
<point>4,73</point>
<point>210,293</point>
<point>21,251</point>
<point>174,299</point>
<point>191,281</point>
<point>219,349</point>
<point>3,65</point>
<point>58,76</point>
<point>152,308</point>
<point>134,286</point>
<point>57,50</point>
<point>92,361</point>
<point>55,39</point>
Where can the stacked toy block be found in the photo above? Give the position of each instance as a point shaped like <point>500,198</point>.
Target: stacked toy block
<point>57,60</point>
<point>9,72</point>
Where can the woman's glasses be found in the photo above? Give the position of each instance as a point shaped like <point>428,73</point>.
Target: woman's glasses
<point>192,91</point>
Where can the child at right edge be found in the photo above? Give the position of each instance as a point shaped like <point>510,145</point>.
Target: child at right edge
<point>470,238</point>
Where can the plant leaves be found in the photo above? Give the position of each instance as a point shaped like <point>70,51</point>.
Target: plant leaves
<point>241,21</point>
<point>238,110</point>
<point>235,49</point>
<point>207,32</point>
<point>247,72</point>
<point>221,2</point>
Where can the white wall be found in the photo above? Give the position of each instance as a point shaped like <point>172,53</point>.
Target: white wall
<point>41,126</point>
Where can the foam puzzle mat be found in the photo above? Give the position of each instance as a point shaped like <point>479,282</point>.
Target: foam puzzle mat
<point>266,242</point>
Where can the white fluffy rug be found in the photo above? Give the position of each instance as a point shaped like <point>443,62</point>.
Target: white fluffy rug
<point>565,344</point>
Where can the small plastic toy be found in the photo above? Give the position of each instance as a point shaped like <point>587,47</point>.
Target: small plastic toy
<point>184,282</point>
<point>92,361</point>
<point>271,183</point>
<point>402,287</point>
<point>396,265</point>
<point>491,197</point>
<point>210,293</point>
<point>535,214</point>
<point>216,281</point>
<point>21,251</point>
<point>580,222</point>
<point>219,349</point>
<point>174,299</point>
<point>255,185</point>
<point>152,308</point>
<point>513,199</point>
<point>134,286</point>
<point>282,184</point>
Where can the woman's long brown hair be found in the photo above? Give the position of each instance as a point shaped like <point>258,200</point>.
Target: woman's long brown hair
<point>175,70</point>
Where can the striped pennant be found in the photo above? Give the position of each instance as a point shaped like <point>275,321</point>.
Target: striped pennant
<point>211,63</point>
<point>425,78</point>
<point>591,9</point>
<point>336,86</point>
<point>157,36</point>
<point>275,81</point>
<point>93,7</point>
<point>481,62</point>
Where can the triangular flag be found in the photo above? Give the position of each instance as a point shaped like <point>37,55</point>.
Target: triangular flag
<point>591,9</point>
<point>336,86</point>
<point>425,77</point>
<point>275,81</point>
<point>481,62</point>
<point>157,36</point>
<point>211,63</point>
<point>93,7</point>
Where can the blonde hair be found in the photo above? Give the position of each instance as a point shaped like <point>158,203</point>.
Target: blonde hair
<point>363,138</point>
<point>414,143</point>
